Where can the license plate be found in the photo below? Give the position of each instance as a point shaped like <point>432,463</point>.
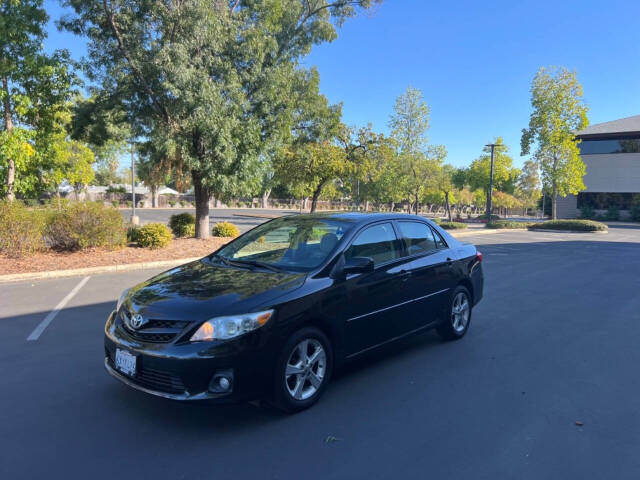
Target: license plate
<point>125,362</point>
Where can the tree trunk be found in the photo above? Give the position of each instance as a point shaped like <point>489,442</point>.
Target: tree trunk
<point>366,206</point>
<point>8,122</point>
<point>202,197</point>
<point>393,205</point>
<point>265,198</point>
<point>446,204</point>
<point>154,196</point>
<point>316,195</point>
<point>554,202</point>
<point>417,204</point>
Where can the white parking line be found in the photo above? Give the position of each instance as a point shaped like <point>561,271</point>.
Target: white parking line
<point>52,314</point>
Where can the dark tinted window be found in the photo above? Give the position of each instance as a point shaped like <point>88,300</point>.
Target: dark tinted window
<point>378,242</point>
<point>417,237</point>
<point>602,200</point>
<point>440,243</point>
<point>620,145</point>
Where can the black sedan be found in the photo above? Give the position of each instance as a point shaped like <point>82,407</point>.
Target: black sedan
<point>271,314</point>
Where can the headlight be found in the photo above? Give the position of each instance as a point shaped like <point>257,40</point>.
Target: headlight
<point>222,328</point>
<point>121,299</point>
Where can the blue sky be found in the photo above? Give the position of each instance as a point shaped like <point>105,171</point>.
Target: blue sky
<point>474,62</point>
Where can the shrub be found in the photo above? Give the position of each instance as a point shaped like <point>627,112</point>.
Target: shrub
<point>78,225</point>
<point>129,203</point>
<point>573,225</point>
<point>172,203</point>
<point>484,217</point>
<point>635,212</point>
<point>132,234</point>
<point>613,213</point>
<point>116,189</point>
<point>225,229</point>
<point>31,202</point>
<point>21,229</point>
<point>506,224</point>
<point>115,203</point>
<point>453,225</point>
<point>183,224</point>
<point>587,212</point>
<point>153,235</point>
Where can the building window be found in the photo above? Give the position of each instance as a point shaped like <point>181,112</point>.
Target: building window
<point>602,200</point>
<point>619,145</point>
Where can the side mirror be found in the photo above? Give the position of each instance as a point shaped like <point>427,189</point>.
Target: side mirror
<point>358,265</point>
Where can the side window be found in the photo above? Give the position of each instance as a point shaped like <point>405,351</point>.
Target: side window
<point>378,242</point>
<point>417,237</point>
<point>440,243</point>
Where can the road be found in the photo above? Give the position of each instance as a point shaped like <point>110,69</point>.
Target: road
<point>244,218</point>
<point>554,342</point>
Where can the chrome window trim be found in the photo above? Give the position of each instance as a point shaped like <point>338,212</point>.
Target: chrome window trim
<point>396,305</point>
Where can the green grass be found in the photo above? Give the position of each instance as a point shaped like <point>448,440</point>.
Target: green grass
<point>572,225</point>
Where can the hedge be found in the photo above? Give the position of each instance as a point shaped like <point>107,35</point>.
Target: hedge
<point>507,224</point>
<point>21,229</point>
<point>153,235</point>
<point>78,225</point>
<point>225,229</point>
<point>183,224</point>
<point>572,225</point>
<point>453,225</point>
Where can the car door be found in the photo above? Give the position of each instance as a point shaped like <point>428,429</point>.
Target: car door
<point>374,301</point>
<point>432,274</point>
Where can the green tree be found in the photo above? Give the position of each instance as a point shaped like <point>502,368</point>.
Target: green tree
<point>212,78</point>
<point>528,185</point>
<point>418,161</point>
<point>445,185</point>
<point>558,113</point>
<point>71,160</point>
<point>34,89</point>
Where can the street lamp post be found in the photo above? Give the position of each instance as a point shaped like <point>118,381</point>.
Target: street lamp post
<point>134,219</point>
<point>489,197</point>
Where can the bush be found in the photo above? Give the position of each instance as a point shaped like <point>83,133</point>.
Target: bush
<point>587,212</point>
<point>484,217</point>
<point>613,214</point>
<point>225,229</point>
<point>114,189</point>
<point>506,224</point>
<point>572,225</point>
<point>115,203</point>
<point>129,203</point>
<point>153,235</point>
<point>132,234</point>
<point>172,203</point>
<point>31,202</point>
<point>635,213</point>
<point>183,224</point>
<point>453,225</point>
<point>78,225</point>
<point>21,229</point>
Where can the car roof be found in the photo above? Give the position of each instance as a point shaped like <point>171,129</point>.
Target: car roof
<point>360,218</point>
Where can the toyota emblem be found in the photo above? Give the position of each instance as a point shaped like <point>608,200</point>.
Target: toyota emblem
<point>137,321</point>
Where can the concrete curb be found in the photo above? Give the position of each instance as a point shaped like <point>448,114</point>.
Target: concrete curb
<point>23,277</point>
<point>482,231</point>
<point>566,231</point>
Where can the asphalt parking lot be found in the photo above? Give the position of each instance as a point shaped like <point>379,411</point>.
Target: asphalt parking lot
<point>545,385</point>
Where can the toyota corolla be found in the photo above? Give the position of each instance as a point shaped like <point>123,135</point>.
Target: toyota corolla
<point>271,314</point>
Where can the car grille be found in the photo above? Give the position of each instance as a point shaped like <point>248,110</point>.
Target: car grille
<point>153,379</point>
<point>153,331</point>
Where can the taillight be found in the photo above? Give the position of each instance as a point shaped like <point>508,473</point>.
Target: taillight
<point>479,256</point>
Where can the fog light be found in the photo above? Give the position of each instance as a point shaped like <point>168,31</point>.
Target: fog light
<point>221,382</point>
<point>224,383</point>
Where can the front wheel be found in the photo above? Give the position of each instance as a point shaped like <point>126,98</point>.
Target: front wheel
<point>303,370</point>
<point>457,323</point>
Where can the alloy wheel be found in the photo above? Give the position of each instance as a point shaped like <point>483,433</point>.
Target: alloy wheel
<point>306,369</point>
<point>460,312</point>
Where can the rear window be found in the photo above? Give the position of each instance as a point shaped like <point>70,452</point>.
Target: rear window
<point>418,237</point>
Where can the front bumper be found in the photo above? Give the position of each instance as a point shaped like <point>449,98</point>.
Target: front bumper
<point>185,371</point>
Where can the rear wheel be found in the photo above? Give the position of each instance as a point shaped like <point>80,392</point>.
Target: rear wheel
<point>457,323</point>
<point>303,370</point>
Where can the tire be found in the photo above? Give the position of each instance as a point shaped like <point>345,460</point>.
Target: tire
<point>457,324</point>
<point>293,391</point>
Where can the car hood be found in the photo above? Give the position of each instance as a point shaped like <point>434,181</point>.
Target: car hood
<point>201,290</point>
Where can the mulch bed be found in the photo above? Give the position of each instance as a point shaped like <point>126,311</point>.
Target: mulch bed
<point>96,257</point>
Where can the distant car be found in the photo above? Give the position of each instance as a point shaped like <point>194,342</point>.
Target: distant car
<point>271,314</point>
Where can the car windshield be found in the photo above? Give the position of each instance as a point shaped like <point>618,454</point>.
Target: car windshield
<point>289,243</point>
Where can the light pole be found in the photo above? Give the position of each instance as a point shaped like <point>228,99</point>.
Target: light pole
<point>134,219</point>
<point>493,146</point>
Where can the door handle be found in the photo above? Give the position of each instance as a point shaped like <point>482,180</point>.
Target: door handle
<point>449,261</point>
<point>405,274</point>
